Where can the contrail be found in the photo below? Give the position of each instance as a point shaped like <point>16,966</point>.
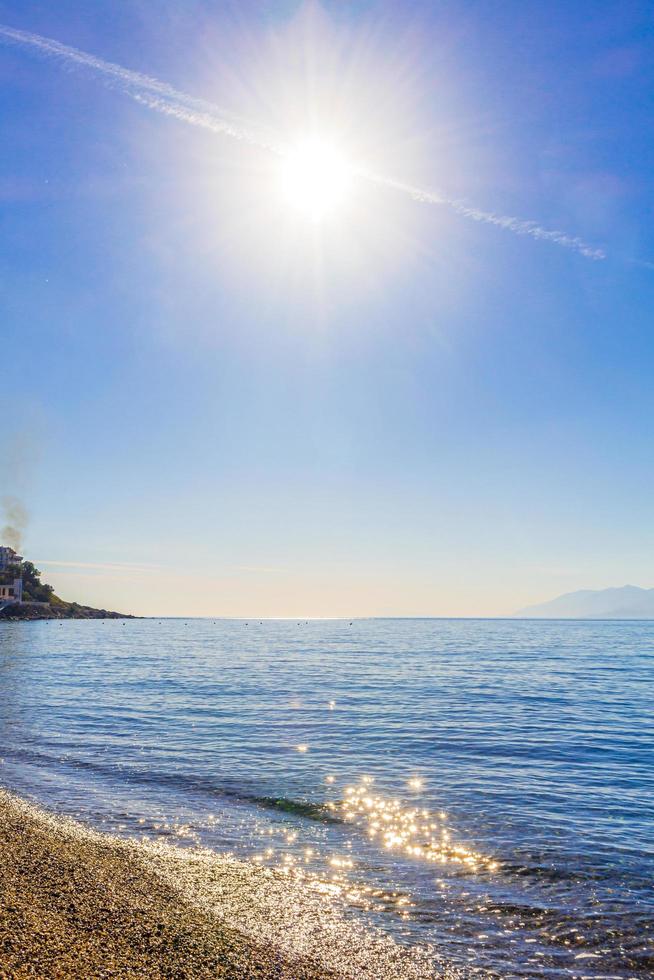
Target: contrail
<point>519,226</point>
<point>163,98</point>
<point>142,88</point>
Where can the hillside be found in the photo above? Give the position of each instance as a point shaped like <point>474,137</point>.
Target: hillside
<point>627,602</point>
<point>41,602</point>
<point>58,610</point>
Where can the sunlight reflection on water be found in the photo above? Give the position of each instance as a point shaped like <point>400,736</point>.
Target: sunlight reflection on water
<point>482,786</point>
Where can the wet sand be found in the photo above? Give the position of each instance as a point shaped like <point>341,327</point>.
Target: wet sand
<point>76,906</point>
<point>76,903</point>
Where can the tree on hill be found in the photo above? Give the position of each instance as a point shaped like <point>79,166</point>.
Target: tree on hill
<point>33,589</point>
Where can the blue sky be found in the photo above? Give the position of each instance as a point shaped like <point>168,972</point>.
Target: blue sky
<point>223,409</point>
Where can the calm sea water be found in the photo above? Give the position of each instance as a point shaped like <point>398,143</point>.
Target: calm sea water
<point>485,786</point>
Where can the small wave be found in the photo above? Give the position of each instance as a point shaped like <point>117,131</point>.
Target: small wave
<point>298,808</point>
<point>182,781</point>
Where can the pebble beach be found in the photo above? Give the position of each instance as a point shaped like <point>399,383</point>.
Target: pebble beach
<point>78,906</point>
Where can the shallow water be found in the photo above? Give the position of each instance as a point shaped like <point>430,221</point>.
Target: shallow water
<point>483,786</point>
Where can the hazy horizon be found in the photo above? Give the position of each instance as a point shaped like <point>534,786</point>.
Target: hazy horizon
<point>78,584</point>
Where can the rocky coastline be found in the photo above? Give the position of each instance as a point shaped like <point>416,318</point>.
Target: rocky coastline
<point>28,611</point>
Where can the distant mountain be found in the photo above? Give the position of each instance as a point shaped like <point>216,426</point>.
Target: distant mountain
<point>628,602</point>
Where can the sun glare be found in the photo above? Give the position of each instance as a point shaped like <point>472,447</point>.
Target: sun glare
<point>315,178</point>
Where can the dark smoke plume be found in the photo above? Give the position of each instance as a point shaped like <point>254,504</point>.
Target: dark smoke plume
<point>18,454</point>
<point>15,517</point>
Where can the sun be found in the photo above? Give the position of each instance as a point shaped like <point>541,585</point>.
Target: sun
<point>316,178</point>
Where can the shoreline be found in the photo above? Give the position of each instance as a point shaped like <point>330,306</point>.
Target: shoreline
<point>37,612</point>
<point>78,903</point>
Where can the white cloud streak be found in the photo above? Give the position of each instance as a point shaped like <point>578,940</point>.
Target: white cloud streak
<point>161,97</point>
<point>103,565</point>
<point>145,567</point>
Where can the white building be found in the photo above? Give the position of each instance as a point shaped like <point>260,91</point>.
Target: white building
<point>11,594</point>
<point>8,557</point>
<point>11,590</point>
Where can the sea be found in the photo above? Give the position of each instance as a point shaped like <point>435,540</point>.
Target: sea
<point>484,788</point>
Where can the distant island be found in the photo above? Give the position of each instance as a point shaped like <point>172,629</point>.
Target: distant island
<point>627,602</point>
<point>24,596</point>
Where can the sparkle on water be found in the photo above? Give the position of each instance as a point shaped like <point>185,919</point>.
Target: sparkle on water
<point>418,832</point>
